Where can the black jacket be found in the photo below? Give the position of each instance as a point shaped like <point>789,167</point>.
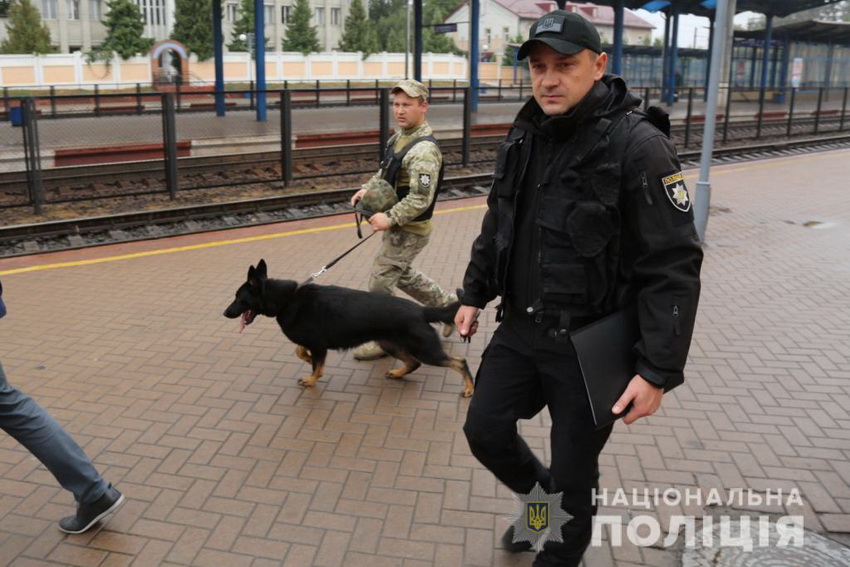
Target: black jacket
<point>587,213</point>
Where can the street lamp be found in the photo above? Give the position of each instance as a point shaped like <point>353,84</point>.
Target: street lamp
<point>249,37</point>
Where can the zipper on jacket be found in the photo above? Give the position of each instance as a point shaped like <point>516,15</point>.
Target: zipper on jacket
<point>677,328</point>
<point>645,184</point>
<point>509,250</point>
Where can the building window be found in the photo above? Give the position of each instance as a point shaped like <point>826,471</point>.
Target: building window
<point>94,10</point>
<point>507,33</point>
<point>230,12</point>
<point>268,14</point>
<point>73,7</point>
<point>48,9</point>
<point>488,36</point>
<point>284,14</point>
<point>336,16</point>
<point>320,16</point>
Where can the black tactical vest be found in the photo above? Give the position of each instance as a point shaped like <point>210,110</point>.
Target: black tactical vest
<point>391,165</point>
<point>578,218</point>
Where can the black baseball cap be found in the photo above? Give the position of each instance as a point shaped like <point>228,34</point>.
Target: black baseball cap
<point>565,32</point>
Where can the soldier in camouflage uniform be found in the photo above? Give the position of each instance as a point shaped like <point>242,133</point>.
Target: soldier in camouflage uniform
<point>413,167</point>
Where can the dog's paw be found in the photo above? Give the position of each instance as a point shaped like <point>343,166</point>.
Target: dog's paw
<point>396,374</point>
<point>308,381</point>
<point>467,393</point>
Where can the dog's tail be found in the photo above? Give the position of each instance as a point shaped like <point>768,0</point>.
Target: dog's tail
<point>444,314</point>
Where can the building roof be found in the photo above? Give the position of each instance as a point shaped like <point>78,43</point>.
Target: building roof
<point>812,31</point>
<point>780,8</point>
<point>597,14</point>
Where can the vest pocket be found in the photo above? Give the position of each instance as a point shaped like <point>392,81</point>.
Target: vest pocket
<point>590,227</point>
<point>606,183</point>
<point>564,283</point>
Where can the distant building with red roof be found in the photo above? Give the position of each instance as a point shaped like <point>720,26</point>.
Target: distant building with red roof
<point>504,21</point>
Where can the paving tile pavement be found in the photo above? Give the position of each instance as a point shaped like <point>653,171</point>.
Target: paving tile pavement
<point>226,461</point>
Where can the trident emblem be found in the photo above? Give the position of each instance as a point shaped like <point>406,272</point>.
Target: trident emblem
<point>537,516</point>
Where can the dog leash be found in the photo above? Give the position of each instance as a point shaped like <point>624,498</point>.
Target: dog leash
<point>326,267</point>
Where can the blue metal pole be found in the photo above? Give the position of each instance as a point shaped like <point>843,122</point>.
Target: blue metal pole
<point>618,37</point>
<point>765,59</point>
<point>665,56</point>
<point>218,52</point>
<point>674,56</point>
<point>260,61</point>
<point>473,55</point>
<point>417,40</point>
<point>710,52</point>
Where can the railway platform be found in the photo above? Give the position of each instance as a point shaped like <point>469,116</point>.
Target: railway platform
<point>226,461</point>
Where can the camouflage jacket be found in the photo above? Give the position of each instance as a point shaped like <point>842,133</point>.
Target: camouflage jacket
<point>422,163</point>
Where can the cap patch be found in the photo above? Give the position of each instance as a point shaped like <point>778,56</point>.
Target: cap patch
<point>425,179</point>
<point>552,24</point>
<point>677,193</point>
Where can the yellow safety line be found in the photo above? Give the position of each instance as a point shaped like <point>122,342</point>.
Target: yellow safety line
<point>692,174</point>
<point>215,243</point>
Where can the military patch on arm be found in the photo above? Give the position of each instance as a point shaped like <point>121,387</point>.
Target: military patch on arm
<point>677,193</point>
<point>425,180</point>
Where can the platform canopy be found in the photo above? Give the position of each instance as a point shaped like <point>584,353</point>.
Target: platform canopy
<point>779,8</point>
<point>812,31</point>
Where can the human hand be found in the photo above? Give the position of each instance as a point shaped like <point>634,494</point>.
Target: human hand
<point>379,222</point>
<point>357,196</point>
<point>644,396</point>
<point>466,321</point>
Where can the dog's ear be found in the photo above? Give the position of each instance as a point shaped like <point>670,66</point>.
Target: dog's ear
<point>262,270</point>
<point>254,279</point>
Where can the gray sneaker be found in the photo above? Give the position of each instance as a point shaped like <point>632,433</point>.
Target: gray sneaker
<point>89,514</point>
<point>369,351</point>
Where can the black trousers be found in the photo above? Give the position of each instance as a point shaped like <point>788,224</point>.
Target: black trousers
<point>523,370</point>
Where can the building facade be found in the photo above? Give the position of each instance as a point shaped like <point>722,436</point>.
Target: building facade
<point>76,25</point>
<point>502,21</point>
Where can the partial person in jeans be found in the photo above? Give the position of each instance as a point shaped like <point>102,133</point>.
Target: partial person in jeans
<point>35,429</point>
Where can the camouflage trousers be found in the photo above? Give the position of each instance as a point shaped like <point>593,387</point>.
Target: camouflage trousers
<point>392,268</point>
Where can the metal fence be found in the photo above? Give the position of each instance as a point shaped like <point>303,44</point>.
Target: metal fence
<point>46,143</point>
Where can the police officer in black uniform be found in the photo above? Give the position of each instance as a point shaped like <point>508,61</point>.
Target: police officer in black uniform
<point>588,213</point>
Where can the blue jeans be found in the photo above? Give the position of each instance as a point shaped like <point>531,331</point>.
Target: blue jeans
<point>36,430</point>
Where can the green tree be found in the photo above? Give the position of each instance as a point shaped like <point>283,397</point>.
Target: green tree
<point>359,33</point>
<point>193,26</point>
<point>382,8</point>
<point>25,30</point>
<point>245,25</point>
<point>510,53</point>
<point>838,12</point>
<point>300,35</point>
<point>436,12</point>
<point>4,8</point>
<point>124,27</point>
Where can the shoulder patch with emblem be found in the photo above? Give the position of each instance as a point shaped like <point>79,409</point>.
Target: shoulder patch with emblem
<point>677,193</point>
<point>425,179</point>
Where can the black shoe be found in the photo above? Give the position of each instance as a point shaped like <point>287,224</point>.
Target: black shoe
<point>89,514</point>
<point>512,546</point>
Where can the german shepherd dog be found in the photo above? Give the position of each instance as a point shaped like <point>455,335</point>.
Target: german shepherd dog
<point>318,318</point>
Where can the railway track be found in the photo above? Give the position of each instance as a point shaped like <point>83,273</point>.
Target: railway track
<point>25,239</point>
<point>193,171</point>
